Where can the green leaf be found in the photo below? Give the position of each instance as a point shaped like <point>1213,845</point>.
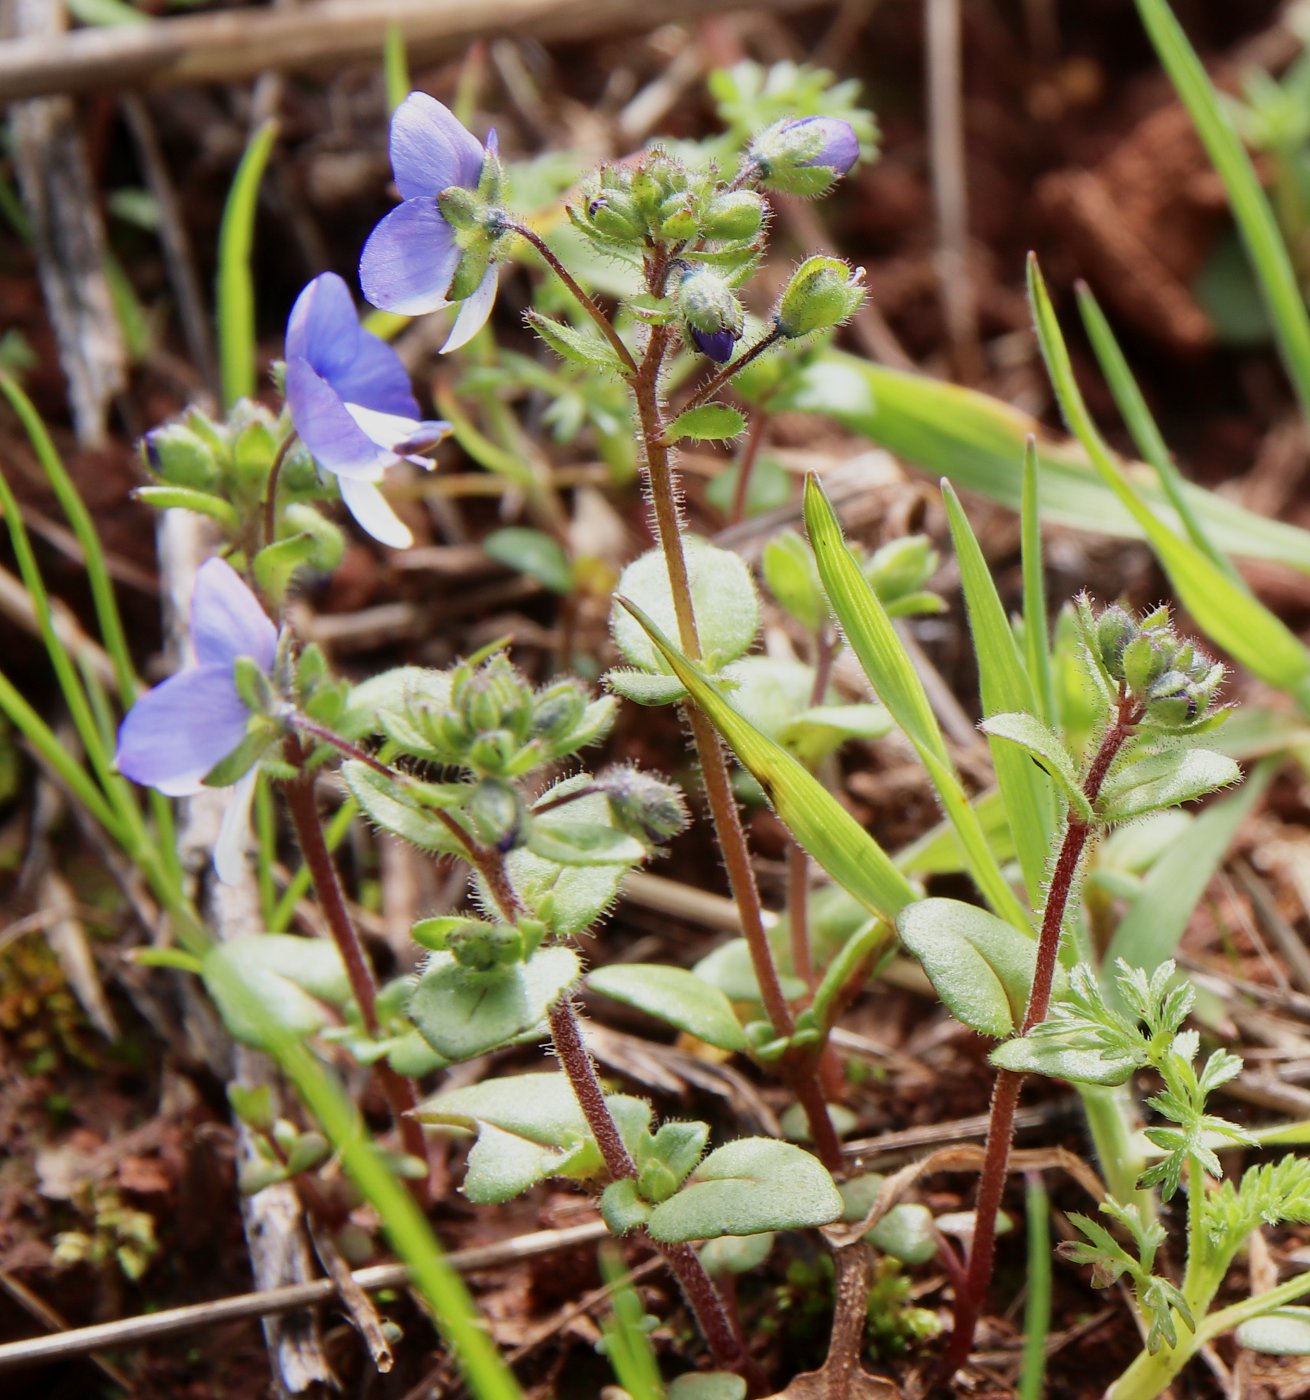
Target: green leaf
<point>575,345</point>
<point>570,898</point>
<point>873,638</point>
<point>236,293</point>
<point>1005,687</point>
<point>979,441</point>
<point>583,843</point>
<point>1164,780</point>
<point>707,1385</point>
<point>748,1186</point>
<point>814,817</point>
<point>673,995</point>
<point>532,552</point>
<point>275,565</point>
<point>529,1128</point>
<point>1283,1332</point>
<point>1040,1055</point>
<point>723,597</point>
<point>1246,196</point>
<point>980,966</point>
<point>736,1254</point>
<point>1045,745</point>
<point>729,968</point>
<point>396,809</point>
<point>711,422</point>
<point>186,498</point>
<point>642,688</point>
<point>462,1013</point>
<point>793,578</point>
<point>1239,623</point>
<point>294,981</point>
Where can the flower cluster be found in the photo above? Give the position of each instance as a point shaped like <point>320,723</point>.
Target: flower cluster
<point>1175,681</point>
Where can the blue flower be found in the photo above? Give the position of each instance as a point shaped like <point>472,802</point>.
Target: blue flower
<point>177,732</point>
<point>840,146</point>
<point>718,345</point>
<point>417,259</point>
<point>352,404</point>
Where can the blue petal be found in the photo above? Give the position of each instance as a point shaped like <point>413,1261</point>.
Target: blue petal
<point>335,441</point>
<point>409,259</point>
<point>227,620</point>
<point>841,146</point>
<point>718,345</point>
<point>178,731</point>
<point>430,150</point>
<point>323,327</point>
<point>377,379</point>
<point>473,313</point>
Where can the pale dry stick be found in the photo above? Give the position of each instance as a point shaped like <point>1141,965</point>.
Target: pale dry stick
<point>233,46</point>
<point>950,186</point>
<point>272,1219</point>
<point>268,1302</point>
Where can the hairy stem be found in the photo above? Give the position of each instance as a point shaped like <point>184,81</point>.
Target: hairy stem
<point>717,381</point>
<point>1005,1098</point>
<point>714,766</point>
<point>398,1091</point>
<point>584,301</point>
<point>270,497</point>
<point>717,1326</point>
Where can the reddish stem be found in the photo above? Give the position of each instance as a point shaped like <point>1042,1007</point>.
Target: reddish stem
<point>1005,1097</point>
<point>398,1091</point>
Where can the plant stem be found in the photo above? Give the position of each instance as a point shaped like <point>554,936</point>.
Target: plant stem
<point>720,1331</point>
<point>1005,1097</point>
<point>270,497</point>
<point>746,460</point>
<point>583,300</point>
<point>714,766</point>
<point>399,1092</point>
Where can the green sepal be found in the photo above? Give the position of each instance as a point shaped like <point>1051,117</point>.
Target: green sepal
<point>711,422</point>
<point>187,498</point>
<point>579,347</point>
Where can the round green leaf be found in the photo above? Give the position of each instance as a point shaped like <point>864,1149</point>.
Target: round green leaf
<point>980,966</point>
<point>723,595</point>
<point>746,1187</point>
<point>275,978</point>
<point>1038,1055</point>
<point>532,552</point>
<point>711,422</point>
<point>1284,1332</point>
<point>462,1013</point>
<point>673,995</point>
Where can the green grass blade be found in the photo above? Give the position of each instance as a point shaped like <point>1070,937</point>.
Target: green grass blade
<point>1006,689</point>
<point>236,292</point>
<point>395,66</point>
<point>1142,426</point>
<point>868,628</point>
<point>406,1226</point>
<point>978,441</point>
<point>53,752</point>
<point>814,817</point>
<point>1237,622</point>
<point>1251,210</point>
<point>103,597</point>
<point>627,1341</point>
<point>1036,623</point>
<point>872,637</point>
<point>1037,1308</point>
<point>1155,922</point>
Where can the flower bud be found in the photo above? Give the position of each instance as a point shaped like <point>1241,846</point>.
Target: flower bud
<point>804,155</point>
<point>496,811</point>
<point>643,805</point>
<point>558,710</point>
<point>483,947</point>
<point>181,457</point>
<point>1114,630</point>
<point>494,697</point>
<point>712,313</point>
<point>823,292</point>
<point>734,217</point>
<point>614,215</point>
